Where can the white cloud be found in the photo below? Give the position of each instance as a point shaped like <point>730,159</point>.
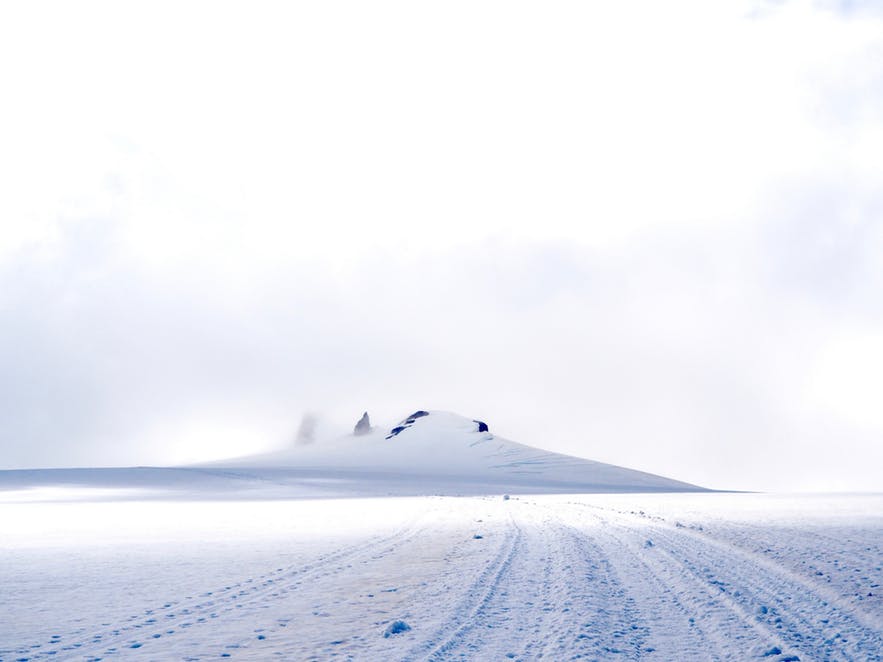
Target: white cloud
<point>642,222</point>
<point>847,378</point>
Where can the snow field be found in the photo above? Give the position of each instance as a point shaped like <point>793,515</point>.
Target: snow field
<point>622,577</point>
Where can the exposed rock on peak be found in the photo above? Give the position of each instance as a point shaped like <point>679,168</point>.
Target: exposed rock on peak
<point>408,422</point>
<point>440,452</point>
<point>363,426</point>
<point>413,417</point>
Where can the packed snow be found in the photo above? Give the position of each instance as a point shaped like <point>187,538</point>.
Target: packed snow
<point>170,566</point>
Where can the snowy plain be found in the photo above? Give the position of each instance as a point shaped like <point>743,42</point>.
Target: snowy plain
<point>173,567</point>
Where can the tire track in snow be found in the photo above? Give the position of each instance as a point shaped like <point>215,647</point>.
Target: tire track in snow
<point>555,594</point>
<point>744,585</point>
<point>364,556</point>
<point>799,563</point>
<point>724,632</point>
<point>179,617</point>
<point>816,560</point>
<point>585,590</point>
<point>786,607</point>
<point>481,592</point>
<point>606,620</point>
<point>744,594</point>
<point>718,628</point>
<point>530,601</point>
<point>634,613</point>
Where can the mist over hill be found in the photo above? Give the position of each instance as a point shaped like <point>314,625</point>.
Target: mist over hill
<point>426,453</point>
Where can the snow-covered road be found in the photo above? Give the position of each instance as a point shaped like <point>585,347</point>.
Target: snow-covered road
<point>666,577</point>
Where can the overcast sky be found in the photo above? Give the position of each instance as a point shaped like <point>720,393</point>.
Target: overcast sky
<point>646,233</point>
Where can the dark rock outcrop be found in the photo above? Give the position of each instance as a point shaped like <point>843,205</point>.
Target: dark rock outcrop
<point>482,426</point>
<point>363,426</point>
<point>413,417</point>
<point>408,422</point>
<point>396,430</point>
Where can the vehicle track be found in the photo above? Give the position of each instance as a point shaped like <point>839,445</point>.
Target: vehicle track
<point>652,620</point>
<point>770,607</point>
<point>447,638</point>
<point>606,617</point>
<point>549,580</point>
<point>727,631</point>
<point>806,621</point>
<point>532,601</point>
<point>177,616</point>
<point>814,557</point>
<point>552,593</point>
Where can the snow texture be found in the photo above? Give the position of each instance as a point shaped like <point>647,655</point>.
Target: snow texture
<point>727,577</point>
<point>253,561</point>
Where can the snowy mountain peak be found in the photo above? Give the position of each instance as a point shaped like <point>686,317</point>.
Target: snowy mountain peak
<point>444,451</point>
<point>426,453</point>
<point>439,422</point>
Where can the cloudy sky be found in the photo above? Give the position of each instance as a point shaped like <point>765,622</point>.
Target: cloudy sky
<point>645,233</point>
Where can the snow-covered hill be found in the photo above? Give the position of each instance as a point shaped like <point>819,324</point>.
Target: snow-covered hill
<point>442,451</point>
<point>428,453</point>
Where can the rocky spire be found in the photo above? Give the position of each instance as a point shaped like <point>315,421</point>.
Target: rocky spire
<point>363,426</point>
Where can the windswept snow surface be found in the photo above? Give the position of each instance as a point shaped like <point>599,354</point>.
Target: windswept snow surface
<point>700,576</point>
<point>365,548</point>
